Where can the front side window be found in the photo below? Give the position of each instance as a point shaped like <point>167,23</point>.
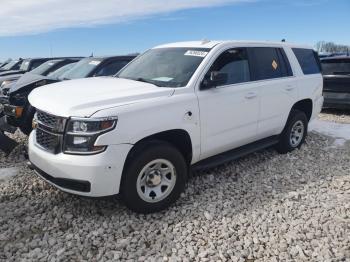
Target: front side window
<point>308,60</point>
<point>336,67</point>
<point>166,67</point>
<point>112,68</point>
<point>268,63</point>
<point>234,64</point>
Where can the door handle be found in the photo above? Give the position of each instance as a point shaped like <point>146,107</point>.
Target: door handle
<point>250,95</point>
<point>290,88</point>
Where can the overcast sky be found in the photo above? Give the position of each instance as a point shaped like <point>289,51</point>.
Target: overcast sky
<point>79,27</point>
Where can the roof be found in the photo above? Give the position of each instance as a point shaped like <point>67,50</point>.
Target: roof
<point>211,44</point>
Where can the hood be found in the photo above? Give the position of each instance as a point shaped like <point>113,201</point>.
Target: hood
<point>25,80</point>
<point>84,97</point>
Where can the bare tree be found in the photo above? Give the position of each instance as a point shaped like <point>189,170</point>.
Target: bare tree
<point>330,47</point>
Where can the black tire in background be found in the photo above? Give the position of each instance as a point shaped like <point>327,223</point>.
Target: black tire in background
<point>141,157</point>
<point>296,120</point>
<point>27,119</point>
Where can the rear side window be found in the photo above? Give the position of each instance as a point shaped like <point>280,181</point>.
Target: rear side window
<point>269,63</point>
<point>308,60</point>
<point>233,63</point>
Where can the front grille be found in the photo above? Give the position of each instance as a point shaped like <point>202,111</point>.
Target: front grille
<point>48,141</point>
<point>49,133</point>
<point>47,119</point>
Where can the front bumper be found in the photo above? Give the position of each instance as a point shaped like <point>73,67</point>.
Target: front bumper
<point>100,173</point>
<point>337,100</point>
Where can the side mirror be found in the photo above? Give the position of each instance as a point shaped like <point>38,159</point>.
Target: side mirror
<point>216,79</point>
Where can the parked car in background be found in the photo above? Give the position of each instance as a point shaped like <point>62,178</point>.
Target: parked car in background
<point>28,65</point>
<point>2,64</point>
<point>181,105</point>
<point>18,113</point>
<point>336,75</point>
<point>42,70</point>
<point>12,65</point>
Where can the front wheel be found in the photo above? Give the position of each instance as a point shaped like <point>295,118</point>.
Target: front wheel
<point>295,132</point>
<point>154,177</point>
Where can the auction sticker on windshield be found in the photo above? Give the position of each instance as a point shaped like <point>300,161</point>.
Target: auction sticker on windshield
<point>163,79</point>
<point>196,53</point>
<point>95,62</point>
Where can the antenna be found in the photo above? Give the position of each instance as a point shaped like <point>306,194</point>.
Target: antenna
<point>205,41</point>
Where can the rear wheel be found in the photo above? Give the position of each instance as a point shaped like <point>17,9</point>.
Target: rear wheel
<point>295,132</point>
<point>154,177</point>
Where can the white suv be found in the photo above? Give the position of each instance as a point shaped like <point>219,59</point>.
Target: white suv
<point>177,106</point>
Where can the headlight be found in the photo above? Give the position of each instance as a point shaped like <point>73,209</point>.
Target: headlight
<point>6,82</point>
<point>81,134</point>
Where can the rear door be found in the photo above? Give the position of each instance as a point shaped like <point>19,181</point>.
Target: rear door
<point>271,69</point>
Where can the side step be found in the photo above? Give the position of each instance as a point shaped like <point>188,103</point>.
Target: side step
<point>235,153</point>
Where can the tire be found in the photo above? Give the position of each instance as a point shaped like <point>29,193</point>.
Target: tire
<point>294,133</point>
<point>27,119</point>
<point>153,190</point>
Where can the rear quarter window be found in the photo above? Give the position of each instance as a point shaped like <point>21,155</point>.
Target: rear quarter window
<point>308,60</point>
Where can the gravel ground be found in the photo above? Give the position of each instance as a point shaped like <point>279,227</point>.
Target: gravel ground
<point>339,116</point>
<point>264,207</point>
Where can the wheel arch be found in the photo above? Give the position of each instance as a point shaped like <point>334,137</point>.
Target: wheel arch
<point>305,105</point>
<point>179,138</point>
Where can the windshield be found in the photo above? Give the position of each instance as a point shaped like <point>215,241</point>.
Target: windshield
<point>82,69</point>
<point>40,70</point>
<point>9,65</point>
<point>336,67</point>
<point>166,67</point>
<point>24,65</point>
<point>59,72</point>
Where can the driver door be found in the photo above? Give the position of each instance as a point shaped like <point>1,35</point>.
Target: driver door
<point>229,112</point>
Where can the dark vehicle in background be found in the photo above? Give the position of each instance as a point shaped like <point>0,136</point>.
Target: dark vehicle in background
<point>18,113</point>
<point>336,75</point>
<point>12,65</point>
<point>42,70</point>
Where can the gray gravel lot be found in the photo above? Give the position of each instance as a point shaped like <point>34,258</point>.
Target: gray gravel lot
<point>263,207</point>
<point>339,116</point>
